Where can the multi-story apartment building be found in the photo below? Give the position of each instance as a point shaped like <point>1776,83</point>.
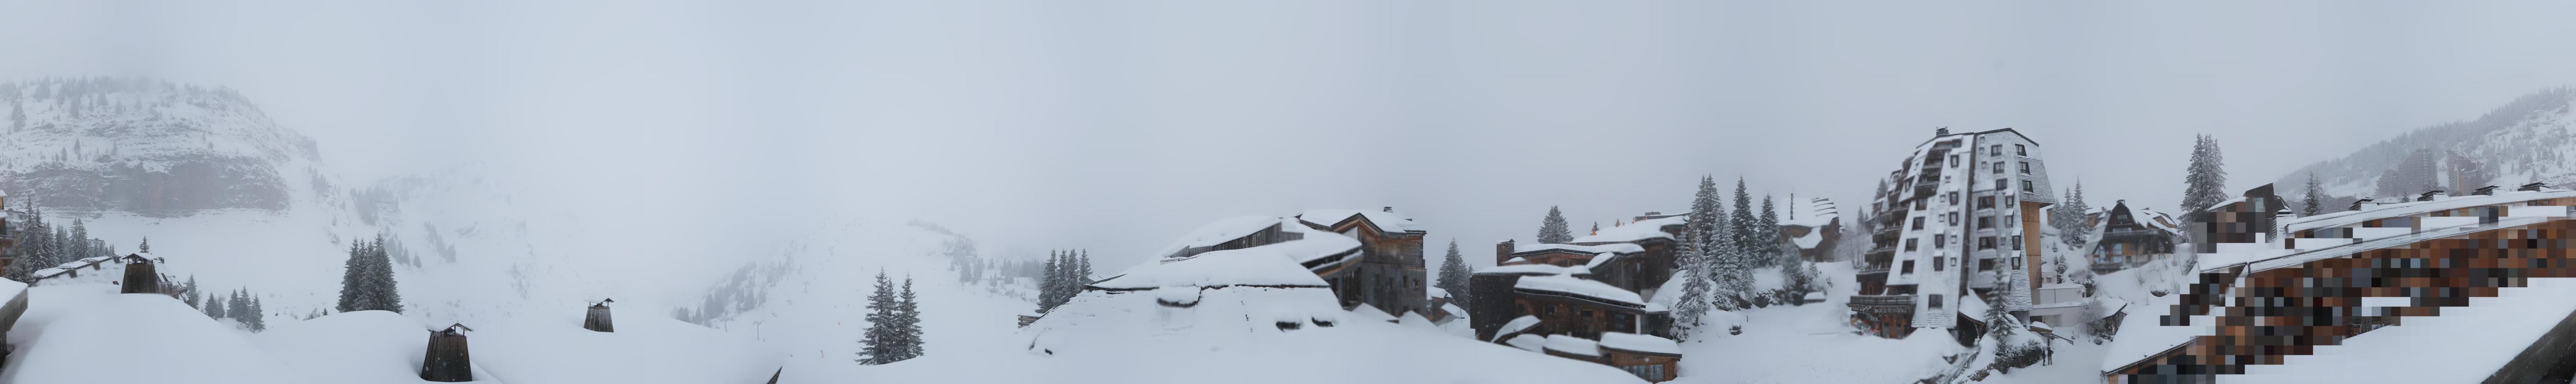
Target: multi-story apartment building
<point>1960,216</point>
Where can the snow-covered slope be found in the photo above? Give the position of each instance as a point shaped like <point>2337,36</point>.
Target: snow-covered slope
<point>2532,138</point>
<point>149,147</point>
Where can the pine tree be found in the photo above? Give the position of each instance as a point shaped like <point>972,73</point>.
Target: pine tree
<point>2071,228</point>
<point>79,246</point>
<point>1454,274</point>
<point>1699,235</point>
<point>1552,230</point>
<point>195,299</point>
<point>908,314</point>
<point>215,308</point>
<point>2205,181</point>
<point>258,318</point>
<point>145,246</point>
<point>1733,267</point>
<point>2313,198</point>
<point>880,344</point>
<point>1773,250</point>
<point>353,281</point>
<point>1048,284</point>
<point>1081,275</point>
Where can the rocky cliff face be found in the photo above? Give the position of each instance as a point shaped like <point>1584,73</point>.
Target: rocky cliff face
<point>2530,139</point>
<point>148,147</point>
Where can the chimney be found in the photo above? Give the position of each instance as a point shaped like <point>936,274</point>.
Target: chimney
<point>2356,204</point>
<point>2485,191</point>
<point>139,277</point>
<point>1502,250</point>
<point>2534,186</point>
<point>2432,195</point>
<point>447,361</point>
<point>1942,131</point>
<point>598,319</point>
<point>1386,209</point>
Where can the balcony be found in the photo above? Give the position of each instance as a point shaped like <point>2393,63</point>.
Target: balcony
<point>1881,303</point>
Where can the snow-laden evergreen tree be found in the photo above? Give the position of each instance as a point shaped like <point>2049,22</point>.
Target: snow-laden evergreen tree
<point>1050,284</point>
<point>1552,230</point>
<point>215,308</point>
<point>2070,222</point>
<point>2205,181</point>
<point>257,316</point>
<point>882,341</point>
<point>1744,228</point>
<point>1775,250</point>
<point>1454,274</point>
<point>79,247</point>
<point>1081,276</point>
<point>908,314</point>
<point>145,246</point>
<point>1698,243</point>
<point>195,299</point>
<point>1732,268</point>
<point>2311,198</point>
<point>367,280</point>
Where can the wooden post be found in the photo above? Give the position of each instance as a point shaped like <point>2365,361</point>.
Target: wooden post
<point>447,361</point>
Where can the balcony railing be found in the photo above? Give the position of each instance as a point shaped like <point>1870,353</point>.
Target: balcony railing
<point>1881,303</point>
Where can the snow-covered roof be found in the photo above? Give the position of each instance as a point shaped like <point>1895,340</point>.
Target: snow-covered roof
<point>1219,232</point>
<point>1639,343</point>
<point>2142,334</point>
<point>1525,269</point>
<point>1518,324</point>
<point>1270,265</point>
<point>1533,343</point>
<point>2376,211</point>
<point>1437,292</point>
<point>1593,249</point>
<point>1385,220</point>
<point>1573,345</point>
<point>1820,211</point>
<point>1641,230</point>
<point>1569,284</point>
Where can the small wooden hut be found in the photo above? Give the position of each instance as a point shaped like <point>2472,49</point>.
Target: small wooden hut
<point>139,277</point>
<point>598,319</point>
<point>447,361</point>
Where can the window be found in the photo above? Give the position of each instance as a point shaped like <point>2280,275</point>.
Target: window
<point>1985,202</point>
<point>1586,312</point>
<point>1986,242</point>
<point>1999,184</point>
<point>1954,161</point>
<point>1940,240</point>
<point>1985,222</point>
<point>2009,221</point>
<point>2016,243</point>
<point>2025,168</point>
<point>2018,150</point>
<point>1909,246</point>
<point>1909,266</point>
<point>1936,301</point>
<point>1918,204</point>
<point>1918,224</point>
<point>1997,150</point>
<point>2025,187</point>
<point>1938,262</point>
<point>1999,167</point>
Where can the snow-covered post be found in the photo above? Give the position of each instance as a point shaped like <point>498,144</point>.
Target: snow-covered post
<point>598,319</point>
<point>447,361</point>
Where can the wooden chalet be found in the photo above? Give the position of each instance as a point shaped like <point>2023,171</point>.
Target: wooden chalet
<point>2131,238</point>
<point>1388,273</point>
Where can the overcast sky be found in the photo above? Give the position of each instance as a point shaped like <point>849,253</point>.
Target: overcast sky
<point>1117,126</point>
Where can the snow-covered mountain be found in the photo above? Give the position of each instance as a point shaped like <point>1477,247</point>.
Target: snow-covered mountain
<point>2530,139</point>
<point>236,201</point>
<point>150,147</point>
